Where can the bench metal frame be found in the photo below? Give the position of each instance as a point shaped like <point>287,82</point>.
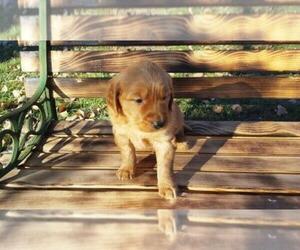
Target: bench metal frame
<point>42,102</point>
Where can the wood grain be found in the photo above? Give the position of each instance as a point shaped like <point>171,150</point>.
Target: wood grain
<point>240,128</point>
<point>192,217</point>
<point>146,180</point>
<point>172,61</point>
<point>154,3</point>
<point>204,145</point>
<point>205,28</point>
<point>95,200</point>
<point>202,128</point>
<point>200,87</point>
<point>185,163</point>
<point>74,128</point>
<point>245,217</point>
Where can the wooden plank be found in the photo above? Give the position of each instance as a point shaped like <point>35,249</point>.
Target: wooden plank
<point>154,3</point>
<point>145,180</point>
<point>279,218</point>
<point>238,128</point>
<point>95,200</point>
<point>212,145</point>
<point>192,162</point>
<point>202,128</point>
<point>245,217</point>
<point>200,87</point>
<point>47,230</point>
<point>204,28</point>
<point>66,128</point>
<point>172,61</point>
<point>275,219</point>
<point>70,87</point>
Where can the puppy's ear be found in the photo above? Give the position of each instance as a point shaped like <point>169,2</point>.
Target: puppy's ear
<point>113,94</point>
<point>170,83</point>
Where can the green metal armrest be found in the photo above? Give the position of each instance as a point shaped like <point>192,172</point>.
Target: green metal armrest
<point>24,132</point>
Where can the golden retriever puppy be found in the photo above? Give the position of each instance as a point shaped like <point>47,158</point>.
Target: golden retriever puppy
<point>143,114</point>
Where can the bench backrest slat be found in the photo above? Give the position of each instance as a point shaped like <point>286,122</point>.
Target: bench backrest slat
<point>169,29</point>
<point>237,52</point>
<point>172,61</point>
<point>153,3</point>
<point>200,87</point>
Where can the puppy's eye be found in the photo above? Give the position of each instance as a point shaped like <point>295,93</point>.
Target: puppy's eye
<point>139,100</point>
<point>164,98</point>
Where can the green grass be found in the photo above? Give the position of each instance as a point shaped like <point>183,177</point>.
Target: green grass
<point>83,108</point>
<point>10,79</point>
<point>252,110</point>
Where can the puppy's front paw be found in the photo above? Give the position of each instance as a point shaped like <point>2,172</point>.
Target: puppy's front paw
<point>167,191</point>
<point>125,173</point>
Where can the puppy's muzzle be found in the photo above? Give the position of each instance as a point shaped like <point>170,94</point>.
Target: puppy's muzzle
<point>158,124</point>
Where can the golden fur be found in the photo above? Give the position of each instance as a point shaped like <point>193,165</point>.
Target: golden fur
<point>137,98</point>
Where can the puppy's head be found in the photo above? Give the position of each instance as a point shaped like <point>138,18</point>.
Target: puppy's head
<point>143,93</point>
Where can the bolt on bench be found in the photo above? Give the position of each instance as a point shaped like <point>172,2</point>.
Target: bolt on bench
<point>232,164</point>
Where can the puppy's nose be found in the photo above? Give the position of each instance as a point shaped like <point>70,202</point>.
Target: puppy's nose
<point>158,124</point>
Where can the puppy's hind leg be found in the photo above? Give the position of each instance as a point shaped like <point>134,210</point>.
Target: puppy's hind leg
<point>128,157</point>
<point>181,141</point>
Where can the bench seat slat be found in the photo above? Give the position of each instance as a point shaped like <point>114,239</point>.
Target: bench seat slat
<point>202,128</point>
<point>88,200</point>
<point>191,162</point>
<point>211,145</point>
<point>199,181</point>
<point>79,230</point>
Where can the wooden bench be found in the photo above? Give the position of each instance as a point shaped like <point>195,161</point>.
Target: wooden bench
<point>232,164</point>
